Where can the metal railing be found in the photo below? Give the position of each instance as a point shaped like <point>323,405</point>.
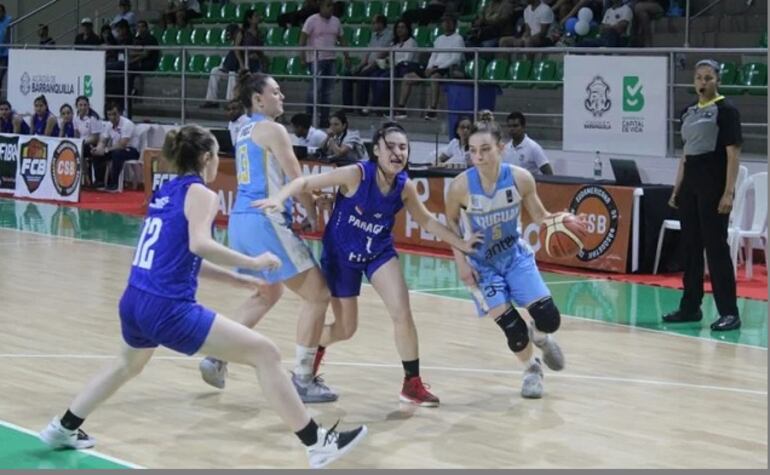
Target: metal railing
<point>184,75</point>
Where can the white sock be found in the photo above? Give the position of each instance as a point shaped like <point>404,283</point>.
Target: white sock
<point>539,338</point>
<point>303,362</point>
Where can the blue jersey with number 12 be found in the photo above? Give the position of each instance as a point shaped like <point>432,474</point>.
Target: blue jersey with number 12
<point>163,264</point>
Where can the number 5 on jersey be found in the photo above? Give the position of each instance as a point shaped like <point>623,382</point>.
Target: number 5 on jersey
<point>242,162</point>
<point>144,252</point>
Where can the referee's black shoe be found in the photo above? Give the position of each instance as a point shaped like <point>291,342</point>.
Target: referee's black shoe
<point>678,316</point>
<point>726,323</point>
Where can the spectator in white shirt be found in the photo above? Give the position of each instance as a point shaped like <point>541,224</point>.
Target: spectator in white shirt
<point>538,18</point>
<point>522,151</point>
<point>118,143</point>
<point>406,66</point>
<point>615,28</point>
<point>456,152</point>
<point>88,126</point>
<point>236,117</point>
<point>125,14</point>
<point>444,64</point>
<point>306,134</point>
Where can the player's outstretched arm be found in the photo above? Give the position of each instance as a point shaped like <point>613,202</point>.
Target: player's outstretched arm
<point>348,178</point>
<point>200,209</point>
<point>425,219</point>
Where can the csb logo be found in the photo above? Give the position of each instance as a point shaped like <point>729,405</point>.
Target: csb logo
<point>65,168</point>
<point>602,215</point>
<point>34,158</point>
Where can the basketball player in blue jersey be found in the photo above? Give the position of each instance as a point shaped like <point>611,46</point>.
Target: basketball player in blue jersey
<point>265,161</point>
<point>158,306</point>
<point>489,197</point>
<point>358,240</point>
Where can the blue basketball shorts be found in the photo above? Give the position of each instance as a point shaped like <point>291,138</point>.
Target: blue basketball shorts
<point>255,233</point>
<point>514,278</point>
<point>344,277</point>
<point>147,321</point>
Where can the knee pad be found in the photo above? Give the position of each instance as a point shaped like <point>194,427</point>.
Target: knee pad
<point>546,316</point>
<point>515,329</point>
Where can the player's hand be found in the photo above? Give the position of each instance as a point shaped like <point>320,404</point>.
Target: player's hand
<point>267,204</point>
<point>470,244</point>
<point>267,261</point>
<point>324,201</point>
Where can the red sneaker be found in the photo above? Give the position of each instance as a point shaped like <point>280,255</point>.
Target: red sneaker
<point>415,392</point>
<point>319,355</point>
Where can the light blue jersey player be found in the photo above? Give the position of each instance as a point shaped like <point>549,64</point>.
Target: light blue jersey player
<point>158,306</point>
<point>487,199</point>
<point>265,161</point>
<point>358,241</point>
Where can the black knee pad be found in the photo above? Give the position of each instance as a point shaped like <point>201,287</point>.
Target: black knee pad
<point>546,316</point>
<point>515,329</point>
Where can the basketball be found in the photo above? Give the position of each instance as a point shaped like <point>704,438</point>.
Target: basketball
<point>562,235</point>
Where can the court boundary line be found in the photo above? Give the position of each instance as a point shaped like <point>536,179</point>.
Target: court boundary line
<point>418,292</point>
<point>91,452</point>
<point>559,375</point>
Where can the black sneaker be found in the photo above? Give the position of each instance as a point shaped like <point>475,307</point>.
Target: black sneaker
<point>726,323</point>
<point>677,316</point>
<point>332,445</point>
<point>430,115</point>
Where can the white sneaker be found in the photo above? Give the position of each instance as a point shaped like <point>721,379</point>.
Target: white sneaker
<point>532,382</point>
<point>57,437</point>
<point>332,445</point>
<point>314,390</point>
<point>213,371</point>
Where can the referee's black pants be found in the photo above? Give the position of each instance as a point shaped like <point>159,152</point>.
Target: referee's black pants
<point>703,227</point>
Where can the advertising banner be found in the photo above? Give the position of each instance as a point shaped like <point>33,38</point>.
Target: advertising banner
<point>48,168</point>
<point>615,104</point>
<point>9,156</point>
<point>60,75</point>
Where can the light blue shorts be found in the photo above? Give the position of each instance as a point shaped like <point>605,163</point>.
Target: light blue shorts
<point>255,233</point>
<point>514,278</point>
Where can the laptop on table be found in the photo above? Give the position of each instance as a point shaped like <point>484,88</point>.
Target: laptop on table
<point>626,173</point>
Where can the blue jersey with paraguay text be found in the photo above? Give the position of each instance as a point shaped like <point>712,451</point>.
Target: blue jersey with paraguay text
<point>361,226</point>
<point>163,264</point>
<point>258,173</point>
<point>495,215</point>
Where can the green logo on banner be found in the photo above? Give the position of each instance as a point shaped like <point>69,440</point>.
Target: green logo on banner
<point>633,99</point>
<point>88,86</point>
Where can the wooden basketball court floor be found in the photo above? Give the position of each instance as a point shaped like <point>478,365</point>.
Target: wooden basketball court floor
<point>634,394</point>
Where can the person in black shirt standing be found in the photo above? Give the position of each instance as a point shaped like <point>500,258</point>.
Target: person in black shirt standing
<point>86,36</point>
<point>704,193</point>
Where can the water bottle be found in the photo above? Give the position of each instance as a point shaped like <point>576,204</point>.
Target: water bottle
<point>598,166</point>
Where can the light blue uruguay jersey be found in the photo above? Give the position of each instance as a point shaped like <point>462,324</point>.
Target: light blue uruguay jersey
<point>495,215</point>
<point>163,264</point>
<point>258,173</point>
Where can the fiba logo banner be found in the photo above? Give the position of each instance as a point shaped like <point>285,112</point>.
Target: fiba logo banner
<point>34,158</point>
<point>65,168</point>
<point>598,101</point>
<point>9,156</point>
<point>602,220</point>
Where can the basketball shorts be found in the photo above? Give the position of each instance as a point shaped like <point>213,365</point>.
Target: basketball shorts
<point>255,233</point>
<point>343,277</point>
<point>513,278</point>
<point>147,321</point>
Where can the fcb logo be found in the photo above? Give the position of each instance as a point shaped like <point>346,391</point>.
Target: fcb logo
<point>65,168</point>
<point>34,158</point>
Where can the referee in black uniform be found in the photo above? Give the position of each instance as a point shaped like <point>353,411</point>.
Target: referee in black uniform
<point>704,193</point>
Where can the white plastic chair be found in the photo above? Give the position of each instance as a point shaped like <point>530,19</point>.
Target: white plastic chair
<point>675,225</point>
<point>757,228</point>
